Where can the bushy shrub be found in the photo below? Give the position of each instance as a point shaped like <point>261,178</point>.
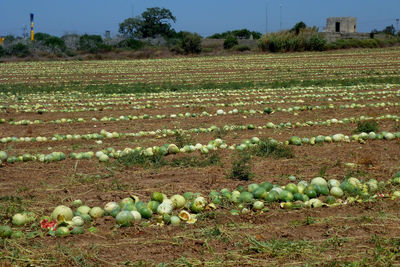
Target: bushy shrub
<point>298,27</point>
<point>242,48</point>
<point>186,43</point>
<point>40,36</point>
<point>71,41</point>
<point>241,167</point>
<point>367,43</point>
<point>241,34</point>
<point>20,50</point>
<point>285,41</point>
<point>267,148</point>
<point>278,42</point>
<point>191,43</point>
<point>2,51</point>
<point>230,42</point>
<point>131,43</point>
<point>55,43</point>
<point>92,43</point>
<point>315,43</point>
<point>367,127</point>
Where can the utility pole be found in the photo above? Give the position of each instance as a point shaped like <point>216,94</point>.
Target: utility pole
<point>24,30</point>
<point>397,25</point>
<point>280,12</point>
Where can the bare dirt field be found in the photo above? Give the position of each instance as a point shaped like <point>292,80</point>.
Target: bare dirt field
<point>360,230</point>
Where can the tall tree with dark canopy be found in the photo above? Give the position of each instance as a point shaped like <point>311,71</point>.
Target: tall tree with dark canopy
<point>154,21</point>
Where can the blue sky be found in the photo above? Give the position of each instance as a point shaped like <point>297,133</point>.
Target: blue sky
<point>204,17</point>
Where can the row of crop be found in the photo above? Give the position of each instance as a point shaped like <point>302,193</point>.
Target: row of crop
<point>171,72</point>
<point>177,209</point>
<point>106,154</point>
<point>219,112</point>
<point>161,210</point>
<point>162,133</point>
<point>272,97</point>
<point>247,95</point>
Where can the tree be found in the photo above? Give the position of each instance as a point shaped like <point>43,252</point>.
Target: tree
<point>131,27</point>
<point>241,34</point>
<point>131,43</point>
<point>2,51</point>
<point>230,41</point>
<point>55,43</point>
<point>20,50</point>
<point>40,36</point>
<point>298,27</point>
<point>154,21</point>
<point>389,30</point>
<point>190,43</point>
<point>90,43</point>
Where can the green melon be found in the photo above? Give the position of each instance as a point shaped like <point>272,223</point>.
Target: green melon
<point>292,188</point>
<point>286,196</point>
<point>260,193</point>
<point>267,186</point>
<point>246,197</point>
<point>145,212</point>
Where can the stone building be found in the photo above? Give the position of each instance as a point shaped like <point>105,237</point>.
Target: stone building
<point>341,25</point>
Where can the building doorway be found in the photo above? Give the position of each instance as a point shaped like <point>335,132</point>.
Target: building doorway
<point>337,26</point>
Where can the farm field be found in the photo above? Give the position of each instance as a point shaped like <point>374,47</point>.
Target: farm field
<point>223,128</point>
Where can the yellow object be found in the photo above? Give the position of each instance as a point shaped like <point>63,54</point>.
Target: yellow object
<point>1,40</point>
<point>32,36</point>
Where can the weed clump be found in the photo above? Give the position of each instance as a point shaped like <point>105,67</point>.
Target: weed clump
<point>367,127</point>
<point>271,148</point>
<point>136,158</point>
<point>241,167</point>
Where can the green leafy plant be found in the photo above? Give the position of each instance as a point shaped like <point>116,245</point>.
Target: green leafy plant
<point>230,41</point>
<point>268,148</point>
<point>241,167</point>
<point>367,126</point>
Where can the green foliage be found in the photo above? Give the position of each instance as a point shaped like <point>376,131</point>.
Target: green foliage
<point>92,43</point>
<point>2,51</point>
<point>298,27</point>
<point>20,50</point>
<point>315,43</point>
<point>367,43</point>
<point>137,159</point>
<point>131,27</point>
<point>131,43</point>
<point>55,43</point>
<point>173,87</point>
<point>230,41</point>
<point>40,36</point>
<point>268,148</point>
<point>241,167</point>
<point>281,247</point>
<point>299,38</point>
<point>182,139</point>
<point>242,48</point>
<point>308,39</point>
<point>367,126</point>
<point>390,30</point>
<point>189,43</point>
<point>154,21</point>
<point>278,42</point>
<point>9,38</point>
<point>240,34</point>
